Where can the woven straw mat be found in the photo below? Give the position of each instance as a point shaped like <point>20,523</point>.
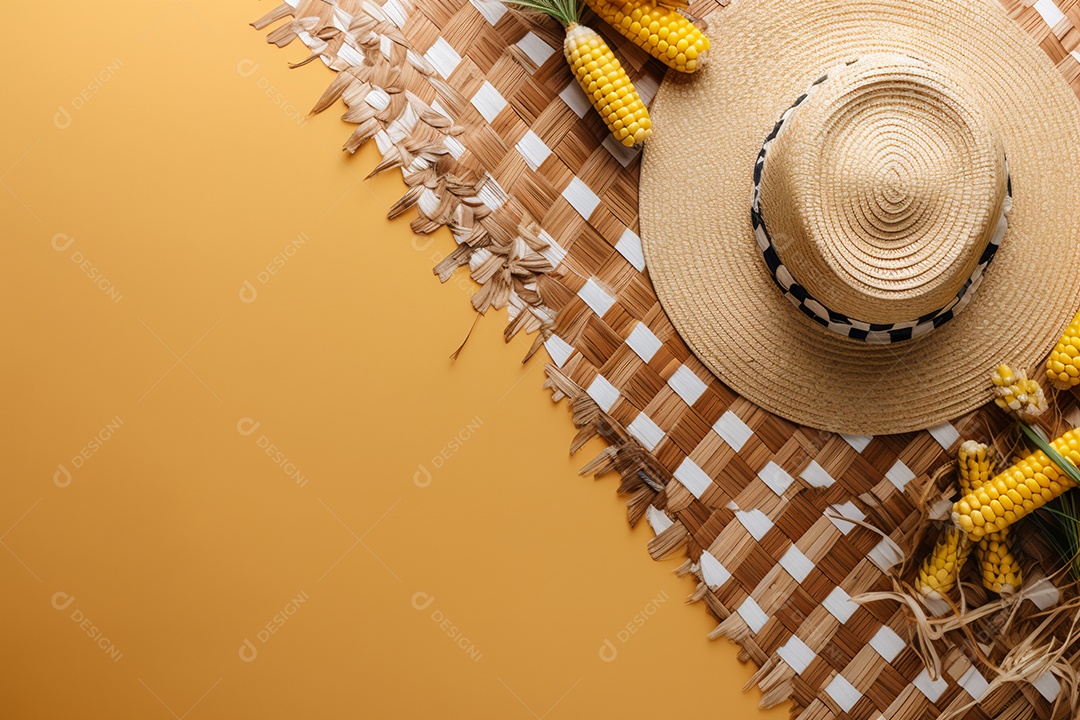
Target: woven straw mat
<point>496,142</point>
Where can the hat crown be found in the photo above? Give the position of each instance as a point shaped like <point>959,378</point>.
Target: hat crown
<point>883,189</point>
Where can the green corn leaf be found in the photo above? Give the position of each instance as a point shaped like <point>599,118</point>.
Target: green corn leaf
<point>1055,457</point>
<point>1065,538</point>
<point>1061,528</point>
<point>566,12</point>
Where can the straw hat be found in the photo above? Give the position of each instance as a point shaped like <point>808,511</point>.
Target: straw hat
<point>886,205</point>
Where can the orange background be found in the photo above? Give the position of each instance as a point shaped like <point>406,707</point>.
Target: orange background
<point>154,160</point>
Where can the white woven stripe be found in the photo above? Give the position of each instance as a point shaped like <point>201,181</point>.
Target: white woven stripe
<point>341,19</point>
<point>797,565</point>
<point>625,155</point>
<point>887,643</point>
<point>374,10</point>
<point>596,297</point>
<point>1043,593</point>
<point>427,202</point>
<point>554,253</point>
<point>454,146</point>
<point>816,475</point>
<point>900,475</point>
<point>973,683</point>
<point>576,99</point>
<point>629,246</point>
<point>847,510</point>
<point>756,522</point>
<point>658,519</point>
<point>396,12</point>
<point>687,385</point>
<point>351,56</point>
<point>731,428</point>
<point>859,442</point>
<point>937,606</point>
<point>317,46</point>
<point>492,10</point>
<point>713,572</point>
<point>843,693</point>
<point>752,614</point>
<point>480,256</point>
<point>534,46</point>
<point>1049,12</point>
<point>1048,686</point>
<point>839,604</point>
<point>776,478</point>
<point>533,149</point>
<point>604,393</point>
<point>932,689</point>
<point>646,431</point>
<point>945,433</point>
<point>581,197</point>
<point>796,654</point>
<point>886,554</point>
<point>492,194</point>
<point>693,478</point>
<point>488,102</point>
<point>443,58</point>
<point>559,350</point>
<point>643,342</point>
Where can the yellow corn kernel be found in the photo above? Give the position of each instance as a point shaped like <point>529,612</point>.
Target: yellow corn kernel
<point>657,28</point>
<point>608,86</point>
<point>1036,481</point>
<point>1063,365</point>
<point>1016,394</point>
<point>998,567</point>
<point>975,463</point>
<point>938,573</point>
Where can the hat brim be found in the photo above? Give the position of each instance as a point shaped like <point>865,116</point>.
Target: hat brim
<point>695,191</point>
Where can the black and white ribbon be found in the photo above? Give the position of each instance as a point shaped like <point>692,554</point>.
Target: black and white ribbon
<point>878,333</point>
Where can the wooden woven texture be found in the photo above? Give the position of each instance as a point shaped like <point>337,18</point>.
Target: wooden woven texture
<point>496,142</point>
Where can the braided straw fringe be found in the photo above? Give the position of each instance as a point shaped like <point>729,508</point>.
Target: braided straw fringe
<point>497,238</point>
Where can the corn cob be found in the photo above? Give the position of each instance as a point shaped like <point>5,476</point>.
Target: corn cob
<point>975,464</point>
<point>598,72</point>
<point>998,568</point>
<point>997,565</point>
<point>1063,365</point>
<point>1023,488</point>
<point>662,32</point>
<point>603,79</point>
<point>1016,395</point>
<point>939,570</point>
